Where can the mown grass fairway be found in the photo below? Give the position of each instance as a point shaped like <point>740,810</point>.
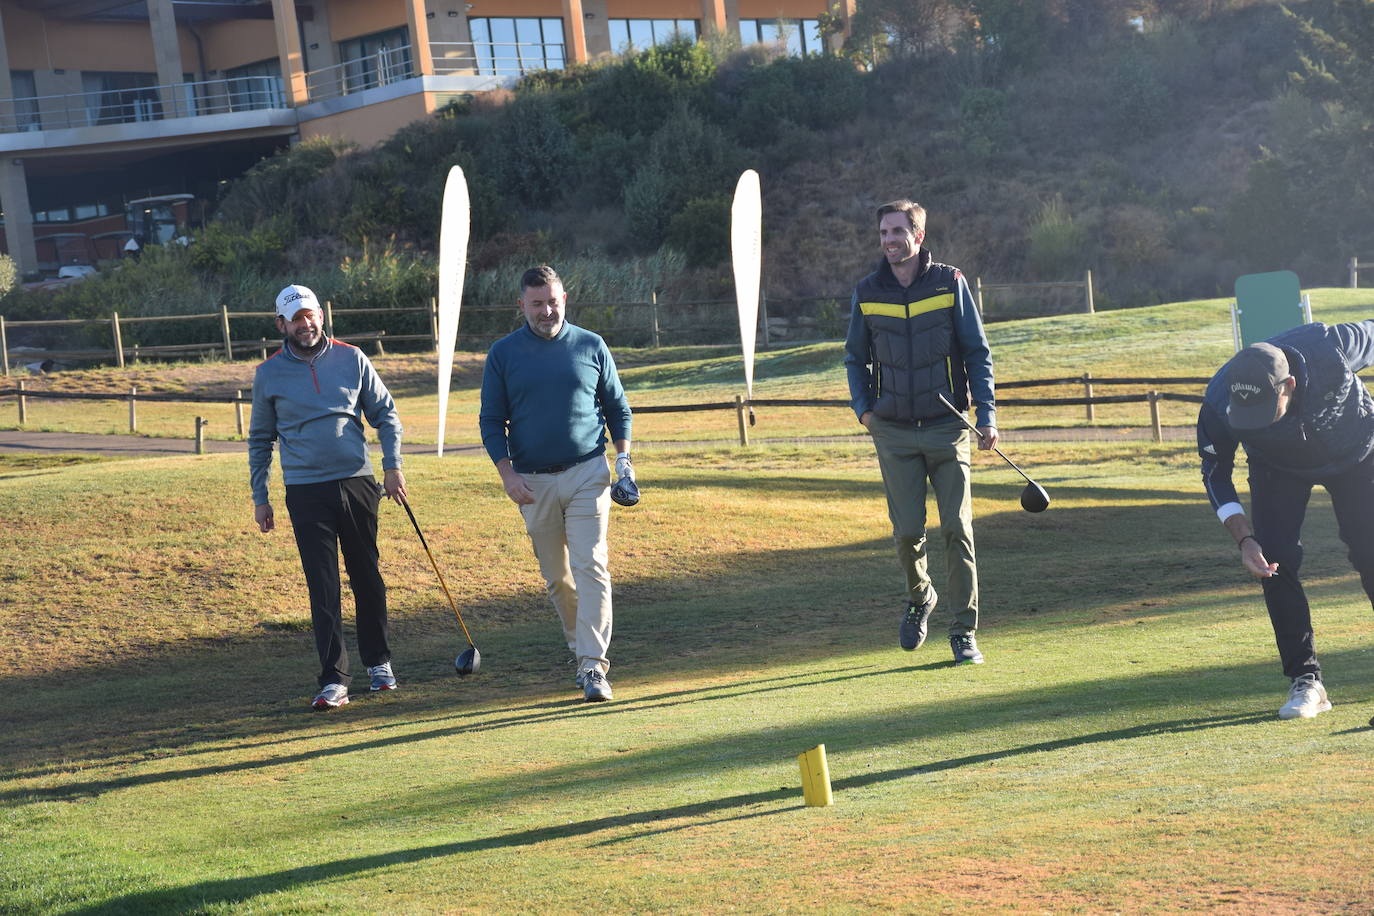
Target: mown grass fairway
<point>1119,751</point>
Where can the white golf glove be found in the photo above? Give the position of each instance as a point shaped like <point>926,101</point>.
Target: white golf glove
<point>623,467</point>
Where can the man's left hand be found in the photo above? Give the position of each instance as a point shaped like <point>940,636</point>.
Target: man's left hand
<point>394,482</point>
<point>623,468</point>
<point>987,438</point>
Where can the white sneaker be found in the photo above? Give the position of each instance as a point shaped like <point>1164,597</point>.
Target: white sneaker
<point>1306,698</point>
<point>331,696</point>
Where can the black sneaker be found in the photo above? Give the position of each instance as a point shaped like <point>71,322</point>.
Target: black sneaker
<point>965,650</point>
<point>912,630</point>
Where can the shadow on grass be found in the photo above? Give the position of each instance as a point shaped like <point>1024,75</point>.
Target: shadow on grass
<point>241,890</point>
<point>751,608</point>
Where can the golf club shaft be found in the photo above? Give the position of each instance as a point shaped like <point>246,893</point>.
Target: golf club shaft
<point>451,603</point>
<point>964,420</point>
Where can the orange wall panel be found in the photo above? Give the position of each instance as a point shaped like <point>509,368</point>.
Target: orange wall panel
<point>544,9</point>
<point>238,42</point>
<point>351,18</point>
<point>775,9</point>
<point>373,124</point>
<point>654,9</point>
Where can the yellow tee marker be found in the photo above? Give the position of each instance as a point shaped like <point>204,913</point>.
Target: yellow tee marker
<point>815,773</point>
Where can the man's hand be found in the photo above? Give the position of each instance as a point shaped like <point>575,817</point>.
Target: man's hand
<point>987,438</point>
<point>623,467</point>
<point>516,488</point>
<point>866,419</point>
<point>1252,555</point>
<point>263,516</point>
<point>394,483</point>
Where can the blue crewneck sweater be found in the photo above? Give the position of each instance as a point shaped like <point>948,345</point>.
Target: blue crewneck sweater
<point>548,402</point>
<point>314,409</point>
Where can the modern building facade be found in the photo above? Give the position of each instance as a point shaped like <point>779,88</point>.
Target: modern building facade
<point>105,102</point>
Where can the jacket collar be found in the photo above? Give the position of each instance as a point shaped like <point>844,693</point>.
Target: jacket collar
<point>291,353</point>
<point>886,277</point>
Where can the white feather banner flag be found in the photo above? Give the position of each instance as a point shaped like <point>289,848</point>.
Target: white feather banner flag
<point>746,249</point>
<point>454,227</point>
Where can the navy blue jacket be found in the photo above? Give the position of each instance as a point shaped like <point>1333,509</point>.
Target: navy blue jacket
<point>908,344</point>
<point>1327,429</point>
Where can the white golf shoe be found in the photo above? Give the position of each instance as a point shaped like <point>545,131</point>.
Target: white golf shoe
<point>1306,698</point>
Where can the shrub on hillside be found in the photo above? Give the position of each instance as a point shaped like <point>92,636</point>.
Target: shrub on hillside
<point>1139,99</point>
<point>1058,245</point>
<point>9,274</point>
<point>701,230</point>
<point>279,184</point>
<point>984,121</point>
<point>537,155</point>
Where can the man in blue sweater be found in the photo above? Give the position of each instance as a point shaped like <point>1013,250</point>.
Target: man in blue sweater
<point>1304,418</point>
<point>549,391</point>
<point>914,336</point>
<point>311,398</point>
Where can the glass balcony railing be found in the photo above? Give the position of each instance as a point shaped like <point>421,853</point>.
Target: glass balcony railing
<point>143,103</point>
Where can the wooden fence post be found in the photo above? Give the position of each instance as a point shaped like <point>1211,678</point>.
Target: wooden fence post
<point>328,318</point>
<point>201,423</point>
<point>263,348</point>
<point>1354,273</point>
<point>434,322</point>
<point>739,414</point>
<point>653,319</point>
<point>1088,393</point>
<point>763,311</point>
<point>1088,289</point>
<point>118,340</point>
<point>238,410</point>
<point>23,405</point>
<point>978,293</point>
<point>1155,428</point>
<point>4,347</point>
<point>133,410</point>
<point>224,326</point>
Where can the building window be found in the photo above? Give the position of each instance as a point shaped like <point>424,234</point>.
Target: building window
<point>120,98</point>
<point>511,47</point>
<point>801,36</point>
<point>641,34</point>
<point>375,60</point>
<point>25,101</point>
<point>255,86</point>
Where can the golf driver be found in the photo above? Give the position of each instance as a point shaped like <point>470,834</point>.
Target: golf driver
<point>469,660</point>
<point>1033,497</point>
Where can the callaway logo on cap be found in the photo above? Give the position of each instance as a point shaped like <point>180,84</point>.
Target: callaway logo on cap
<point>1253,378</point>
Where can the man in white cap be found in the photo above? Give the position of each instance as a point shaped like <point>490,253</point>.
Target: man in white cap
<point>311,398</point>
<point>1304,418</point>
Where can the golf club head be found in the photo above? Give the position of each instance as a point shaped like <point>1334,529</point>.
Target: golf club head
<point>625,492</point>
<point>1034,498</point>
<point>467,662</point>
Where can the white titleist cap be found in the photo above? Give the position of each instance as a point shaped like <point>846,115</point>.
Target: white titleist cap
<point>294,298</point>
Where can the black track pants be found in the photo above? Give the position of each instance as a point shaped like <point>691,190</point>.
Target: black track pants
<point>1279,506</point>
<point>327,517</point>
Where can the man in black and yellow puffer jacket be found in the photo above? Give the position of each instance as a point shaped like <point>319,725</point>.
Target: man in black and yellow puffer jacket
<point>915,334</point>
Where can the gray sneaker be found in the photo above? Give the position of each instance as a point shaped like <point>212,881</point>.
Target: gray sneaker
<point>965,649</point>
<point>382,677</point>
<point>1306,698</point>
<point>911,632</point>
<point>595,687</point>
<point>331,697</point>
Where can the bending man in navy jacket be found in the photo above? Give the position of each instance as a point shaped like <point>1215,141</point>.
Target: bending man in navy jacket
<point>549,390</point>
<point>914,335</point>
<point>1304,418</point>
<point>311,398</point>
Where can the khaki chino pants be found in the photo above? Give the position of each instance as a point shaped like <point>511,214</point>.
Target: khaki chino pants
<point>908,456</point>
<point>567,526</point>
